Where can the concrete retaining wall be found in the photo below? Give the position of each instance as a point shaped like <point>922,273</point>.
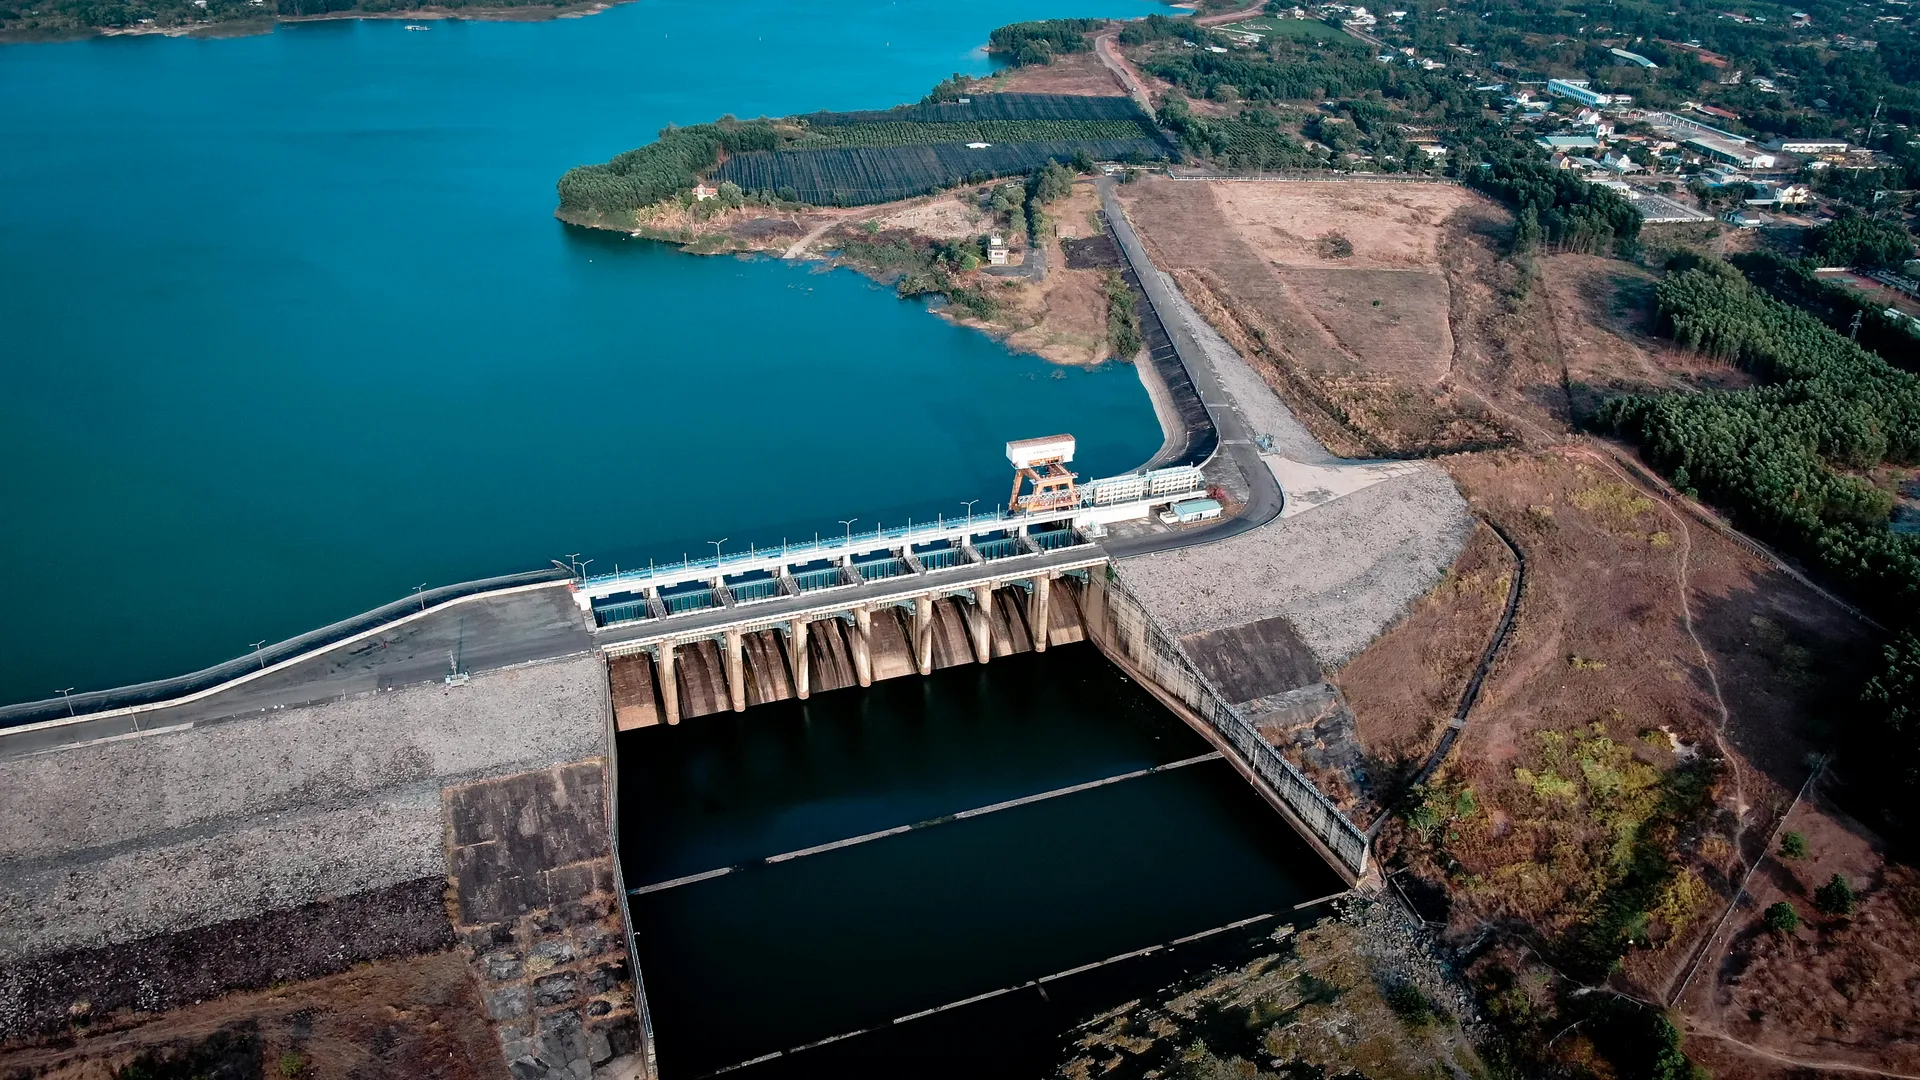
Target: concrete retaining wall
<point>1128,633</point>
<point>116,841</point>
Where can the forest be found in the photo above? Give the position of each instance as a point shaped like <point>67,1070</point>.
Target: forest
<point>1792,462</point>
<point>1039,42</point>
<point>1894,338</point>
<point>1555,208</point>
<point>665,167</point>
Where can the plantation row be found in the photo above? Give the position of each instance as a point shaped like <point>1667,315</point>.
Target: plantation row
<point>906,133</point>
<point>856,176</point>
<point>989,107</point>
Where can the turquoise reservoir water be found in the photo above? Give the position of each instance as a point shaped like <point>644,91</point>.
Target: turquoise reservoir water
<point>286,327</point>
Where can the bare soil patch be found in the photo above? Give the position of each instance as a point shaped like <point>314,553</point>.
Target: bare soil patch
<point>1404,688</point>
<point>951,216</point>
<point>417,1017</point>
<point>117,986</point>
<point>1386,226</point>
<point>1063,319</point>
<point>1395,320</point>
<point>1093,253</point>
<point>1359,344</point>
<point>1602,310</point>
<point>1079,73</point>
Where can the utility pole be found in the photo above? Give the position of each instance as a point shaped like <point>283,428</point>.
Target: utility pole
<point>1853,332</point>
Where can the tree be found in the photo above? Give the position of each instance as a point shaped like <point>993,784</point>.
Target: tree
<point>1835,897</point>
<point>1854,239</point>
<point>1793,846</point>
<point>1781,918</point>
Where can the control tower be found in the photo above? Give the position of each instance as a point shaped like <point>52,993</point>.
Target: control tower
<point>1044,462</point>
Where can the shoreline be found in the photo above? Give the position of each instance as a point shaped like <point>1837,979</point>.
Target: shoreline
<point>267,23</point>
<point>721,241</point>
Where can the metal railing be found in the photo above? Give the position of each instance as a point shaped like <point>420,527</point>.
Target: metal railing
<point>1156,482</point>
<point>163,690</point>
<point>1160,657</point>
<point>758,589</point>
<point>1053,539</point>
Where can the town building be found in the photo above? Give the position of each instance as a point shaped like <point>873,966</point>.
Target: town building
<point>1562,143</point>
<point>1741,152</point>
<point>1809,146</point>
<point>1578,90</point>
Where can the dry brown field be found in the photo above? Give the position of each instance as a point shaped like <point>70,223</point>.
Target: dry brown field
<point>1080,73</point>
<point>1637,628</point>
<point>1340,294</point>
<point>419,1018</point>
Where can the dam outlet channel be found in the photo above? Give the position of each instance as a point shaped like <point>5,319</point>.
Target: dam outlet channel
<point>942,866</point>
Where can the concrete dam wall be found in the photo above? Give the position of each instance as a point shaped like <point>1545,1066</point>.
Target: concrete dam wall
<point>835,653</point>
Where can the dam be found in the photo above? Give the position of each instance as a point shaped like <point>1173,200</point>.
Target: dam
<point>697,817</point>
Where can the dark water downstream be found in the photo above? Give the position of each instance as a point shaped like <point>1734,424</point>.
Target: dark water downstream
<point>773,956</point>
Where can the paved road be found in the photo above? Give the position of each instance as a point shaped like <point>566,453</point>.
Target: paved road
<point>485,633</point>
<point>1236,442</point>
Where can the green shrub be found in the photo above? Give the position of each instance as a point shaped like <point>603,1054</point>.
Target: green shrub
<point>1409,1004</point>
<point>1793,846</point>
<point>1781,918</point>
<point>1835,897</point>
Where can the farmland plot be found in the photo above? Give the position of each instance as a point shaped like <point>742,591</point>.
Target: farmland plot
<point>908,133</point>
<point>989,107</point>
<point>855,176</point>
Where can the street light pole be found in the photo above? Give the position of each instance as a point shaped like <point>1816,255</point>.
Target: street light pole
<point>848,522</point>
<point>969,505</point>
<point>420,591</point>
<point>256,653</point>
<point>67,694</point>
<point>716,551</point>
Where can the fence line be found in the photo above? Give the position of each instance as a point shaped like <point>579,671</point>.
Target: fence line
<point>1139,636</point>
<point>159,692</point>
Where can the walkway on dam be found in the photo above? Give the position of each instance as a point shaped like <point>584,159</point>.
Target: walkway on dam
<point>483,633</point>
<point>826,602</point>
